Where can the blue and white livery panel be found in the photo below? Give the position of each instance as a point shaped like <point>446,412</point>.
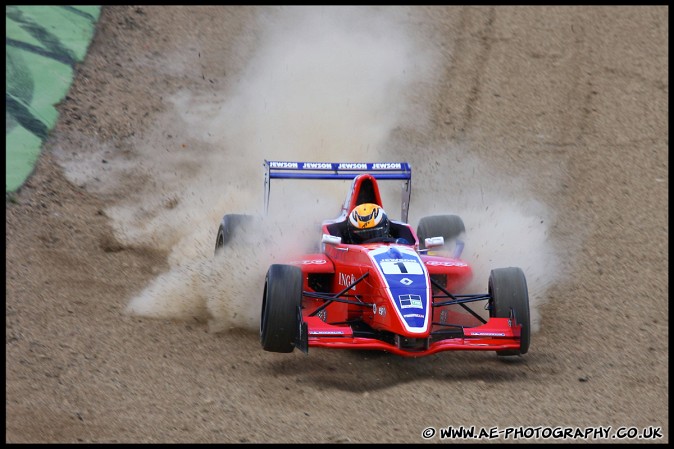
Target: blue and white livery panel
<point>406,279</point>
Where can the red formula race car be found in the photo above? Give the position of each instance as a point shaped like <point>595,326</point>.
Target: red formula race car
<point>393,292</point>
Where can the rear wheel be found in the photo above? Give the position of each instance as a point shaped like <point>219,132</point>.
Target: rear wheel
<point>510,297</point>
<point>226,230</point>
<point>450,227</point>
<point>280,319</point>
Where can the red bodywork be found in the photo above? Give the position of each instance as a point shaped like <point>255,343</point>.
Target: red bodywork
<point>340,265</point>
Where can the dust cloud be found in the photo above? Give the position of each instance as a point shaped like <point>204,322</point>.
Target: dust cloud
<point>324,84</point>
<point>321,86</point>
<point>506,226</point>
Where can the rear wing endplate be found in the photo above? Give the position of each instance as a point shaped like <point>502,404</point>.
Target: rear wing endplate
<point>340,170</point>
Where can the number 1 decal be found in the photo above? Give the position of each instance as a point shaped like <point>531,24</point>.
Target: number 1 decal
<point>401,267</point>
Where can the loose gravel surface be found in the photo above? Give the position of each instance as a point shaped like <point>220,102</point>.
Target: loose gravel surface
<point>567,106</point>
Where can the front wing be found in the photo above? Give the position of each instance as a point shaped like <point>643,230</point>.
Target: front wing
<point>495,335</point>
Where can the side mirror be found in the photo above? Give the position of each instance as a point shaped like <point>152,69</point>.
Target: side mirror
<point>331,239</point>
<point>433,242</point>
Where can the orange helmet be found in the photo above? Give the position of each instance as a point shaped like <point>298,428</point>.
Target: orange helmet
<point>368,221</point>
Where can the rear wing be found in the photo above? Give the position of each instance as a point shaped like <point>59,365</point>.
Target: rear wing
<point>340,170</point>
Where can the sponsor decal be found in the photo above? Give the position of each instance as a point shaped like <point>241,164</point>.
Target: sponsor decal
<point>346,280</point>
<point>406,281</point>
<point>443,316</point>
<point>489,334</point>
<point>323,315</point>
<point>382,310</point>
<point>326,332</point>
<point>279,164</point>
<point>413,315</point>
<point>386,166</point>
<point>374,308</point>
<point>351,166</point>
<point>436,263</point>
<point>410,302</point>
<point>309,262</point>
<point>317,165</point>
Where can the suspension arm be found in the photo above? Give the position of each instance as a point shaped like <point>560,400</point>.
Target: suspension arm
<point>458,301</point>
<point>329,299</point>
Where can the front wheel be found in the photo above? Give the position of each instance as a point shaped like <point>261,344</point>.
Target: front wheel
<point>281,302</point>
<point>510,298</point>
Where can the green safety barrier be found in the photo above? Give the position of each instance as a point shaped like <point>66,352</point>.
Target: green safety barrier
<point>43,44</point>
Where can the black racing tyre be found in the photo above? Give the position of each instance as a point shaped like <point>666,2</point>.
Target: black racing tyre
<point>226,230</point>
<point>508,291</point>
<point>447,226</point>
<point>282,297</point>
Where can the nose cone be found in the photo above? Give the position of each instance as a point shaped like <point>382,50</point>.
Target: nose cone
<point>406,279</point>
